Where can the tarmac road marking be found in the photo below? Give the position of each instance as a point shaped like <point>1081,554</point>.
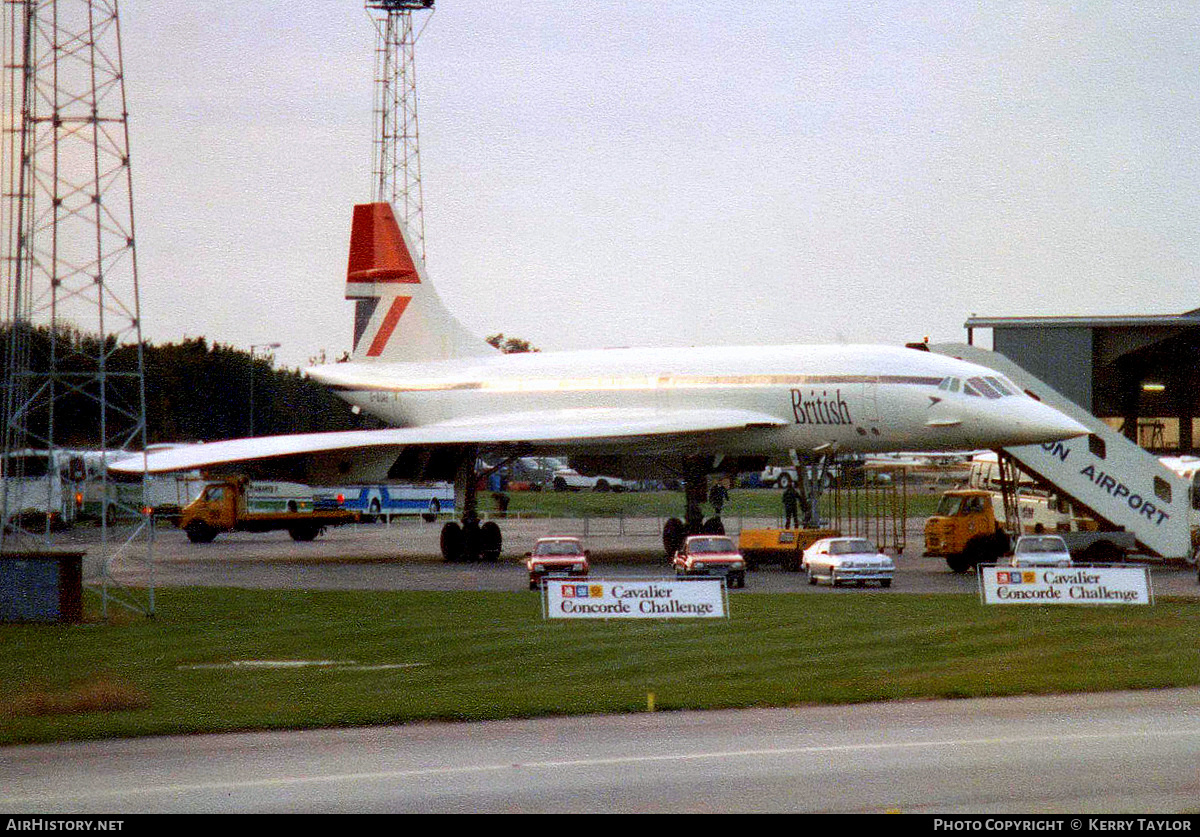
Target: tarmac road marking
<point>417,773</point>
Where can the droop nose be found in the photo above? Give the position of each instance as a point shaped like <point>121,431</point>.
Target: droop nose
<point>1033,422</point>
<point>1054,424</point>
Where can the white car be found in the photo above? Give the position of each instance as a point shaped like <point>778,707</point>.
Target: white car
<point>1040,551</point>
<point>568,479</point>
<point>847,559</point>
<point>774,476</point>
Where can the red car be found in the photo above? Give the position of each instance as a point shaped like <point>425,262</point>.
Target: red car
<point>711,555</point>
<point>556,556</point>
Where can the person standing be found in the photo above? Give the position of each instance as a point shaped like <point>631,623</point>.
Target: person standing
<point>791,502</point>
<point>717,496</point>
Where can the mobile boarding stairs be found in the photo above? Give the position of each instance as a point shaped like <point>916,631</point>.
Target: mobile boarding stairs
<point>1119,482</point>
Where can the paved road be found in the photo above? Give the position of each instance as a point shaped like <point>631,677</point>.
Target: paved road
<point>405,556</point>
<point>1132,752</point>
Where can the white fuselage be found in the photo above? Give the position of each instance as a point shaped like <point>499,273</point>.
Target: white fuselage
<point>847,398</point>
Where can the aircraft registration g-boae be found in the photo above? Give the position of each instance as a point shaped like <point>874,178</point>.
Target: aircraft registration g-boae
<point>649,412</point>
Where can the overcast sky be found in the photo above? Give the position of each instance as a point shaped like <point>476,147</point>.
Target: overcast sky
<point>674,173</point>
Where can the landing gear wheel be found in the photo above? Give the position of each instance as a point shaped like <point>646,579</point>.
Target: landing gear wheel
<point>490,541</point>
<point>373,512</point>
<point>673,535</point>
<point>471,539</point>
<point>452,542</point>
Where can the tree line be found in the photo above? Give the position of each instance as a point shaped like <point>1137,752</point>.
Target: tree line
<point>195,390</point>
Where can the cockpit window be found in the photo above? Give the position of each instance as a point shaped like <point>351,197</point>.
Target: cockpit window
<point>991,386</point>
<point>984,388</point>
<point>999,384</point>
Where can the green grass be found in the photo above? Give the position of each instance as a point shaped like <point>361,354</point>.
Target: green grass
<point>476,656</point>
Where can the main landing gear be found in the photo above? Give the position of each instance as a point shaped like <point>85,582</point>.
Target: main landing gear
<point>675,531</point>
<point>812,472</point>
<point>470,540</point>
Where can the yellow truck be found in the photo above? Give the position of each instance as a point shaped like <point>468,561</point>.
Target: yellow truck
<point>970,528</point>
<point>237,505</point>
<point>779,546</point>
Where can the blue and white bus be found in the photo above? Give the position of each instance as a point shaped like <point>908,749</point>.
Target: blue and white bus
<point>430,500</point>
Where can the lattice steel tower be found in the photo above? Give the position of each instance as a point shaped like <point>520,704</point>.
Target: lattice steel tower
<point>73,367</point>
<point>397,172</point>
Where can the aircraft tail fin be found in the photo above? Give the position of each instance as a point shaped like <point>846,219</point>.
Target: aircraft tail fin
<point>398,315</point>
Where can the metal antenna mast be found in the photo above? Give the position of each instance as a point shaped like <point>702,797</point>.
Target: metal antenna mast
<point>397,173</point>
<point>74,376</point>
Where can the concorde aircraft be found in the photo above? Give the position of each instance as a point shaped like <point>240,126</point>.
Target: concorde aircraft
<point>687,413</point>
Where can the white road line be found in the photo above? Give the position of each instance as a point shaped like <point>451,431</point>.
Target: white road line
<point>1008,742</point>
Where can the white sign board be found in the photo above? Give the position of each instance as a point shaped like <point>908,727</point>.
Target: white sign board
<point>594,598</point>
<point>1065,585</point>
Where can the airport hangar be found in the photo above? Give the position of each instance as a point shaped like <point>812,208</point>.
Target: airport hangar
<point>1138,373</point>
